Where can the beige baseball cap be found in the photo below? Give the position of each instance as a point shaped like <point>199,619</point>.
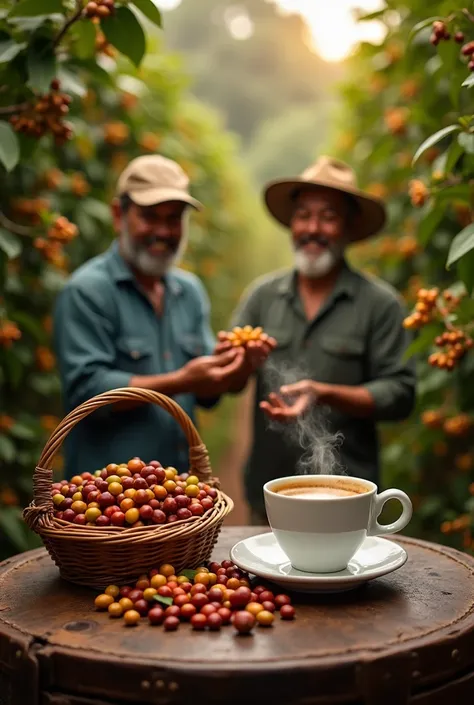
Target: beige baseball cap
<point>153,179</point>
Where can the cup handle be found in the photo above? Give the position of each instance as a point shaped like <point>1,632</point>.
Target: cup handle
<point>376,529</point>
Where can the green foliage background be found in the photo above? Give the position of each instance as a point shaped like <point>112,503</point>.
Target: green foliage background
<point>118,111</point>
<point>399,94</point>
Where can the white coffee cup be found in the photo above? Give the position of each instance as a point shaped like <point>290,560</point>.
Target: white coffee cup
<point>319,530</point>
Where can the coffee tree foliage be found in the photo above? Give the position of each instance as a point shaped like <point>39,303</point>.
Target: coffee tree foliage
<point>78,100</point>
<point>408,125</point>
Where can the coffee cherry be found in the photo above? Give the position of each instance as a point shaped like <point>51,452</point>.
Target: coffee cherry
<point>243,622</point>
<point>199,622</point>
<point>281,600</point>
<point>240,597</point>
<point>459,37</point>
<point>171,624</point>
<point>214,621</point>
<point>287,612</point>
<point>208,609</point>
<point>265,618</point>
<point>156,615</point>
<point>254,608</point>
<point>126,604</point>
<point>225,614</point>
<point>115,609</point>
<point>113,590</point>
<point>131,617</point>
<point>268,606</point>
<point>103,601</point>
<point>188,611</point>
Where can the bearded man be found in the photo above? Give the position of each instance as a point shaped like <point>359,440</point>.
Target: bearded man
<point>131,318</point>
<point>342,328</point>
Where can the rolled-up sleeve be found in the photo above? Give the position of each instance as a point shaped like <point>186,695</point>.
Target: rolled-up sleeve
<point>84,343</point>
<point>391,378</point>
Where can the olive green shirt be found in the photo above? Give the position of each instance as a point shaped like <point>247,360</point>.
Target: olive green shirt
<point>357,338</point>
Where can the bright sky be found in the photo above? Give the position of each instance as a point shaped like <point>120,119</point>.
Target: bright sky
<point>333,27</point>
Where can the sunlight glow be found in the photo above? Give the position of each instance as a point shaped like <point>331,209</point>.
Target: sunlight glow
<point>333,26</point>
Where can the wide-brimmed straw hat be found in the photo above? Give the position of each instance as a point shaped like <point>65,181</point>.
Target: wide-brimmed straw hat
<point>330,173</point>
<point>153,179</point>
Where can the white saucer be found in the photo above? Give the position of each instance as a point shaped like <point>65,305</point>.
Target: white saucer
<point>262,556</point>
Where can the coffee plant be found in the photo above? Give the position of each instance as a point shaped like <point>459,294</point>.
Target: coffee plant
<point>411,137</point>
<point>78,100</point>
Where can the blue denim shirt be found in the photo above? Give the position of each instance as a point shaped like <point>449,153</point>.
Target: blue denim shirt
<point>105,332</point>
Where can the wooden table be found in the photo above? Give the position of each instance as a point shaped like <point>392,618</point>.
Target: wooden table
<point>405,638</point>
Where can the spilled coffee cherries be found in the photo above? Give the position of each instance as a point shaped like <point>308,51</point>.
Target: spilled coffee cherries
<point>207,598</point>
<point>132,494</point>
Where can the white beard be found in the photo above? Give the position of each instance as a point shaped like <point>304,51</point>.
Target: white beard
<point>316,267</point>
<point>149,265</point>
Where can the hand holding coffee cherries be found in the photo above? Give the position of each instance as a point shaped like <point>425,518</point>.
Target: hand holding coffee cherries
<point>256,344</point>
<point>211,375</point>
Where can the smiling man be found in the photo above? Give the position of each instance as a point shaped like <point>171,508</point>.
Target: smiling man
<point>130,317</point>
<point>343,329</point>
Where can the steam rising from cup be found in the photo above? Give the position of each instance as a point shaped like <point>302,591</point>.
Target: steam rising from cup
<point>310,431</point>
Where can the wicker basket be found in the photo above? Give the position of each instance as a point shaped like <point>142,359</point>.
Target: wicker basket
<point>98,556</point>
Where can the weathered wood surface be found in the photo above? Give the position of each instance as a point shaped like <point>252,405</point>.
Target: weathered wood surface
<point>404,638</point>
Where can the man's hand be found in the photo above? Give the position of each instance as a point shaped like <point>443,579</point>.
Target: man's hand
<point>256,351</point>
<point>210,375</point>
<point>300,395</point>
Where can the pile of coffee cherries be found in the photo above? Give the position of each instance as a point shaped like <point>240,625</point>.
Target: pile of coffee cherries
<point>132,494</point>
<point>208,598</point>
<point>239,337</point>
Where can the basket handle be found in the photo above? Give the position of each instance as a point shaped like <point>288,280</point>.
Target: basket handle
<point>43,475</point>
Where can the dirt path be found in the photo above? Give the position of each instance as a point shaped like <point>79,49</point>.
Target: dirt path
<point>230,469</point>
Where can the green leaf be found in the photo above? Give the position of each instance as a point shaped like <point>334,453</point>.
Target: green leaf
<point>32,8</point>
<point>434,139</point>
<point>429,223</point>
<point>41,63</point>
<point>461,245</point>
<point>164,600</point>
<point>454,152</point>
<point>421,26</point>
<point>10,244</point>
<point>19,430</point>
<point>469,81</point>
<point>465,271</point>
<point>126,34</point>
<point>70,83</point>
<point>423,341</point>
<point>7,449</point>
<point>149,9</point>
<point>9,49</point>
<point>190,574</point>
<point>31,324</point>
<point>466,141</point>
<point>12,525</point>
<point>84,35</point>
<point>97,209</point>
<point>455,193</point>
<point>9,147</point>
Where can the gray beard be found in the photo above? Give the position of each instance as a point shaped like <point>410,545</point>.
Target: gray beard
<point>149,265</point>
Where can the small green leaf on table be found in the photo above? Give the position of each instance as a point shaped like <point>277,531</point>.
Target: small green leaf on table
<point>164,600</point>
<point>189,574</point>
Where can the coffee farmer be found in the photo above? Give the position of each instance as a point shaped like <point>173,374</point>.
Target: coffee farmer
<point>131,318</point>
<point>341,327</point>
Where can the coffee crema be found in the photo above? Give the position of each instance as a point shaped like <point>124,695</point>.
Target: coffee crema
<point>321,491</point>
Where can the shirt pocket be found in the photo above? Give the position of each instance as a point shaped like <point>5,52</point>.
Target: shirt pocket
<point>135,354</point>
<point>344,357</point>
<point>191,345</point>
<point>282,336</point>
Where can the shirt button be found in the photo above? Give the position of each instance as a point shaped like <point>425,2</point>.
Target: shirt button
<point>167,355</point>
<point>135,354</point>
